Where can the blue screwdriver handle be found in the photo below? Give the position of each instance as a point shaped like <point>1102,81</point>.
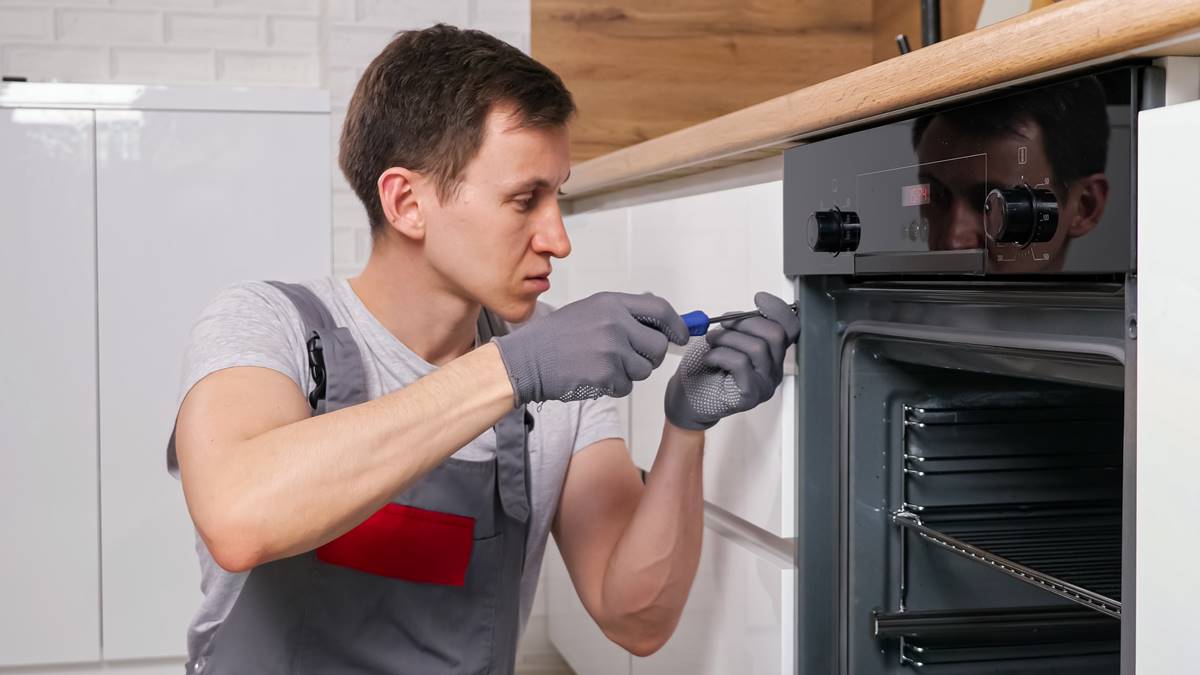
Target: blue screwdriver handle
<point>697,322</point>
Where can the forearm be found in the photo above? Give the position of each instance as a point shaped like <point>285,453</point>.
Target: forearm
<point>298,486</point>
<point>654,562</point>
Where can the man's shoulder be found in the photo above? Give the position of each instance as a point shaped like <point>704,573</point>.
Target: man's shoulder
<point>250,315</point>
<point>260,295</point>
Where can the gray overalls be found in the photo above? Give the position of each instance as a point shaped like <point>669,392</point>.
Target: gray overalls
<point>429,584</point>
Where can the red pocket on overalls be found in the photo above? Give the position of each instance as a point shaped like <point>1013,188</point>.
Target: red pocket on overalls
<point>404,542</point>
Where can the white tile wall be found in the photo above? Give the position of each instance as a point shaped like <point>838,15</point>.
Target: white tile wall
<point>306,43</point>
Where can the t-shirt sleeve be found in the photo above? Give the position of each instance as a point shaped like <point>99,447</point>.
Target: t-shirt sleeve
<point>598,420</point>
<point>247,324</point>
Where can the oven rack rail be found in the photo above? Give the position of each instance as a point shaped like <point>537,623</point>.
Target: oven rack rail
<point>917,655</point>
<point>996,626</point>
<point>1094,568</point>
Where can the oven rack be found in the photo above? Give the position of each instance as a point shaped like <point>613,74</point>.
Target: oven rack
<point>920,655</point>
<point>1086,549</point>
<point>995,626</point>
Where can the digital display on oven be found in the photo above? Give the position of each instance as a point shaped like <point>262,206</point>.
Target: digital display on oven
<point>914,195</point>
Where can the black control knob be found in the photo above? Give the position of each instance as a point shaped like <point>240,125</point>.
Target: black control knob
<point>834,231</point>
<point>1022,215</point>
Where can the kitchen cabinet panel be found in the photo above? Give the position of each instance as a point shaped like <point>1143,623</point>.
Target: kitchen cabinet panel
<point>49,572</point>
<point>738,618</point>
<point>1168,588</point>
<point>714,251</point>
<point>572,631</point>
<point>599,259</point>
<point>599,262</point>
<point>188,202</point>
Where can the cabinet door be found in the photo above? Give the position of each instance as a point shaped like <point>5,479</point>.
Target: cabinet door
<point>599,261</point>
<point>714,252</point>
<point>1168,588</point>
<point>188,202</point>
<point>49,570</point>
<point>738,617</point>
<point>572,631</point>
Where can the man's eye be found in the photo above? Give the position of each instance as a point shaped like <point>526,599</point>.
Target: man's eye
<point>524,203</point>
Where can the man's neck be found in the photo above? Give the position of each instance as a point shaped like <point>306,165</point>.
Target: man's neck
<point>404,295</point>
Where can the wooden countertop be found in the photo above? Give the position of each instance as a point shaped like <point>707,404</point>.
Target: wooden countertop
<point>1067,35</point>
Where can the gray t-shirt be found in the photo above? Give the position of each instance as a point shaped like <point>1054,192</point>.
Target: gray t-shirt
<point>254,324</point>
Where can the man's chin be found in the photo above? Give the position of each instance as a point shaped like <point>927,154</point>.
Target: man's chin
<point>515,310</point>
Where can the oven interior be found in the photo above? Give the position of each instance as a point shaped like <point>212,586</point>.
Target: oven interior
<point>981,517</point>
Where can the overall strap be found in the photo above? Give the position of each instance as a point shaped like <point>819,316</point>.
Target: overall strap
<point>512,456</point>
<point>334,360</point>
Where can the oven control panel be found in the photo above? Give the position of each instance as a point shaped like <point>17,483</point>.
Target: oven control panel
<point>1034,180</point>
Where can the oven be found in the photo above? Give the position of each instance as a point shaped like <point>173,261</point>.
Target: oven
<point>967,281</point>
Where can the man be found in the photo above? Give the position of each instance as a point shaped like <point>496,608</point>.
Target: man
<point>1055,138</point>
<point>371,490</point>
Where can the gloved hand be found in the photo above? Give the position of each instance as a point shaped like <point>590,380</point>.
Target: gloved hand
<point>733,368</point>
<point>594,347</point>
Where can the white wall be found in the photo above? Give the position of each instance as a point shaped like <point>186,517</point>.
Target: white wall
<point>302,43</point>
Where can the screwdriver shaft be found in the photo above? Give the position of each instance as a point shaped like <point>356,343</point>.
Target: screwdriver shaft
<point>738,316</point>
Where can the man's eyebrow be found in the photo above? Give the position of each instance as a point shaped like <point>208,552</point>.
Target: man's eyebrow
<point>533,184</point>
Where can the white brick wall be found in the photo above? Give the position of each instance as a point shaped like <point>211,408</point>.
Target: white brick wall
<point>308,43</point>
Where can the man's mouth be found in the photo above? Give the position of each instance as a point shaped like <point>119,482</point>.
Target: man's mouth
<point>540,282</point>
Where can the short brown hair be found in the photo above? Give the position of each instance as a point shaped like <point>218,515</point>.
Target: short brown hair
<point>423,102</point>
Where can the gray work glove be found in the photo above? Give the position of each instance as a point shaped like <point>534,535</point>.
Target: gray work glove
<point>733,368</point>
<point>594,347</point>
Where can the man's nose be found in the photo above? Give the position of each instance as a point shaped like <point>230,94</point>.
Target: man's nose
<point>965,230</point>
<point>550,235</point>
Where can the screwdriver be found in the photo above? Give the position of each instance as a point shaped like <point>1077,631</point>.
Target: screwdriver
<point>698,322</point>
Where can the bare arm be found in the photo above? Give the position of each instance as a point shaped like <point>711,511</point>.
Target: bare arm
<point>264,480</point>
<point>632,550</point>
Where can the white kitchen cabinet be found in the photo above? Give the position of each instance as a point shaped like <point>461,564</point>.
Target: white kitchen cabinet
<point>49,570</point>
<point>599,262</point>
<point>125,209</point>
<point>714,251</point>
<point>738,618</point>
<point>710,251</point>
<point>1168,588</point>
<point>572,631</point>
<point>188,202</point>
<point>599,259</point>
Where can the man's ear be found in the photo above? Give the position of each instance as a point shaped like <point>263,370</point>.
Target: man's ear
<point>1093,196</point>
<point>399,198</point>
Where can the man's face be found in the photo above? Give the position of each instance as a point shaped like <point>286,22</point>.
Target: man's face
<point>958,191</point>
<point>492,242</point>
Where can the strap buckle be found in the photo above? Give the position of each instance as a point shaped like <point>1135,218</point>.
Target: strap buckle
<point>316,368</point>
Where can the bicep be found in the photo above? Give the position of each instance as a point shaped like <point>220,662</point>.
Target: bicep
<point>224,409</point>
<point>599,497</point>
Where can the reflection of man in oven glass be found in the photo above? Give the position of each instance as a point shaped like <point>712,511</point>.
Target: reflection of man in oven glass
<point>1054,138</point>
